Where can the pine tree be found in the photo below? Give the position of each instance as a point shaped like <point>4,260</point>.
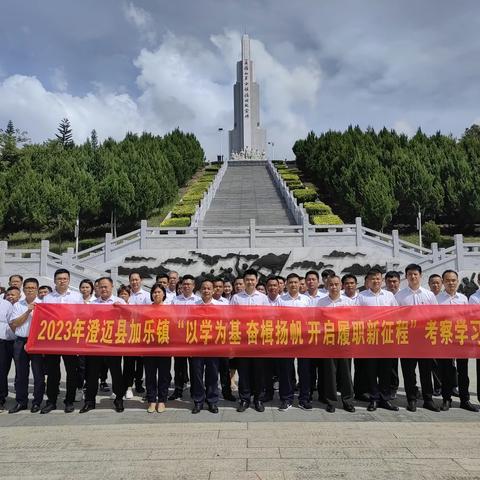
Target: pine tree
<point>64,135</point>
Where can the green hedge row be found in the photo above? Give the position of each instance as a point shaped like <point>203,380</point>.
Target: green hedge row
<point>326,220</point>
<point>176,222</point>
<point>317,208</point>
<point>304,194</point>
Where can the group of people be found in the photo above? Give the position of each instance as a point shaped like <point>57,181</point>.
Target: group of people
<point>375,381</point>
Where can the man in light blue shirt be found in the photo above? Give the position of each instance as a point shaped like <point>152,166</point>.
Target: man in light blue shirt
<point>20,322</point>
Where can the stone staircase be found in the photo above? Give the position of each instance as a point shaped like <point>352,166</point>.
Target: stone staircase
<point>247,191</point>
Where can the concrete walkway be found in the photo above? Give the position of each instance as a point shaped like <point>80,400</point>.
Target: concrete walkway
<point>247,191</point>
<point>250,445</point>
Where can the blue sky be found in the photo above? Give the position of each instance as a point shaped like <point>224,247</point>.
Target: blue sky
<point>118,65</point>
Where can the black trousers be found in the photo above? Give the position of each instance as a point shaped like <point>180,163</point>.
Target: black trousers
<point>448,377</point>
<point>360,376</point>
<point>180,369</point>
<point>94,366</point>
<point>379,374</point>
<point>251,378</point>
<point>53,377</point>
<point>207,367</point>
<point>271,373</point>
<point>224,371</point>
<point>328,370</point>
<point>82,371</point>
<point>6,357</point>
<point>133,371</point>
<point>23,360</point>
<point>157,378</point>
<point>395,379</point>
<point>410,380</point>
<point>287,379</point>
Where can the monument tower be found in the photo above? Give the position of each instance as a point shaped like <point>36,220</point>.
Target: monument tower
<point>247,139</point>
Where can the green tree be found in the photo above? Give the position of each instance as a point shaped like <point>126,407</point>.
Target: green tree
<point>64,135</point>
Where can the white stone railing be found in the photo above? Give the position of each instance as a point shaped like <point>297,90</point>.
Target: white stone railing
<point>296,210</point>
<point>95,261</point>
<point>209,195</point>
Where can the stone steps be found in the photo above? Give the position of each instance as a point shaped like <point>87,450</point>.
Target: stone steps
<point>247,191</point>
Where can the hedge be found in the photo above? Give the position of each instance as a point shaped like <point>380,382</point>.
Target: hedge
<point>317,208</point>
<point>304,194</point>
<point>184,210</point>
<point>212,168</point>
<point>289,176</point>
<point>176,222</point>
<point>192,197</point>
<point>326,220</point>
<point>294,184</point>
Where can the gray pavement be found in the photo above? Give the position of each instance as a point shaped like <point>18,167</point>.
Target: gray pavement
<point>250,445</point>
<point>247,191</point>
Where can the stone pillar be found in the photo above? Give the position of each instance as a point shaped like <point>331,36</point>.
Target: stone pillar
<point>435,254</point>
<point>460,262</point>
<point>252,233</point>
<point>67,256</point>
<point>114,275</point>
<point>199,235</point>
<point>107,253</point>
<point>44,250</point>
<point>3,249</point>
<point>358,231</point>
<point>143,235</point>
<point>396,243</point>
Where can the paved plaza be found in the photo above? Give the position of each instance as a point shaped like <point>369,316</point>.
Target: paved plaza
<point>250,445</point>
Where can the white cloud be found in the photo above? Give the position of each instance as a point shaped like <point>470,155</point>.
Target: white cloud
<point>141,19</point>
<point>59,79</point>
<point>182,84</point>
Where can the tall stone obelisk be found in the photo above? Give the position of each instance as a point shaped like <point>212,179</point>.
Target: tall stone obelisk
<point>247,139</point>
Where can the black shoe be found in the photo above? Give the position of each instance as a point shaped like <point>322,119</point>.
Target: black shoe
<point>388,405</point>
<point>69,408</point>
<point>330,408</point>
<point>176,394</point>
<point>229,397</point>
<point>284,406</point>
<point>212,408</point>
<point>455,392</point>
<point>258,404</point>
<point>412,406</point>
<point>372,406</point>
<point>197,408</point>
<point>242,406</point>
<point>446,405</point>
<point>2,406</point>
<point>48,407</point>
<point>437,392</point>
<point>35,408</point>
<point>362,397</point>
<point>305,405</point>
<point>348,407</point>
<point>429,405</point>
<point>17,408</point>
<point>104,387</point>
<point>118,402</point>
<point>87,407</point>
<point>467,405</point>
<point>139,388</point>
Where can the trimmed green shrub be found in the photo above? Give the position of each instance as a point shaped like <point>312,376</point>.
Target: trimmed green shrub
<point>289,176</point>
<point>431,232</point>
<point>183,210</point>
<point>317,208</point>
<point>212,168</point>
<point>176,222</point>
<point>192,197</point>
<point>326,220</point>
<point>304,194</point>
<point>294,184</point>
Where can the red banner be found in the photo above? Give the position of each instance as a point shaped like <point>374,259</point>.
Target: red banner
<point>422,331</point>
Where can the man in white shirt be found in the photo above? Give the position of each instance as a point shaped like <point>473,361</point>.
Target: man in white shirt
<point>95,363</point>
<point>435,284</point>
<point>20,321</point>
<point>133,366</point>
<point>392,284</point>
<point>7,339</point>
<point>15,281</point>
<point>349,286</point>
<point>451,296</point>
<point>379,370</point>
<point>207,367</point>
<point>475,300</point>
<point>251,371</point>
<point>61,295</point>
<point>286,366</point>
<point>173,280</point>
<point>180,366</point>
<point>336,370</point>
<point>414,294</point>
